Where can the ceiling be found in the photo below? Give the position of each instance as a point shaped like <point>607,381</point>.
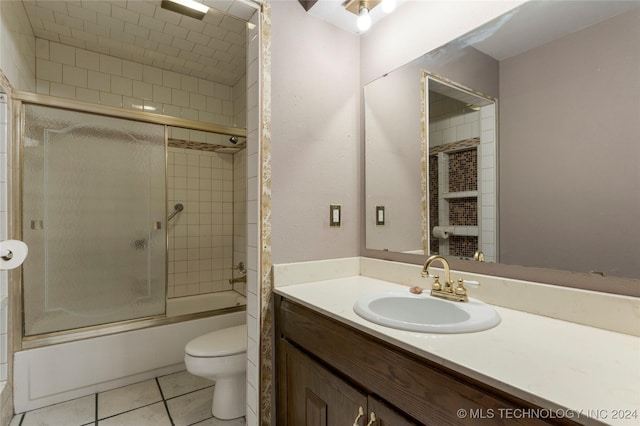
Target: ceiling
<point>213,49</point>
<point>539,22</point>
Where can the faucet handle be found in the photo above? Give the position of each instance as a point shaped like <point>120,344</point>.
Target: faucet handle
<point>240,267</point>
<point>436,283</point>
<point>470,283</point>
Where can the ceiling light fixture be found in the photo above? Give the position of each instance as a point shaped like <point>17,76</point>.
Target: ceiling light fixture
<point>364,19</point>
<point>362,8</point>
<point>186,7</point>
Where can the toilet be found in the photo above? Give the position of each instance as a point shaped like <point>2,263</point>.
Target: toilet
<point>222,356</point>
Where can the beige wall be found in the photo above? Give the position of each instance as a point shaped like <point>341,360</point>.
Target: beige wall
<point>582,148</point>
<point>316,119</point>
<point>315,136</point>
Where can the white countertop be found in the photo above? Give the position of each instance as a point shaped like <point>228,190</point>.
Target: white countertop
<point>585,373</point>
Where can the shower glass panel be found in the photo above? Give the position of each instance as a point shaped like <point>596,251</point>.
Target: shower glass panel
<point>94,217</point>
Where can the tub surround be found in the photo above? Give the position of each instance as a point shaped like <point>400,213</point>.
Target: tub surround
<point>535,353</point>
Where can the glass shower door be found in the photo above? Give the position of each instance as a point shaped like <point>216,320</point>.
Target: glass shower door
<point>94,217</point>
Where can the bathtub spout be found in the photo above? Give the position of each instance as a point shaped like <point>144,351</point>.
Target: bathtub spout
<point>242,279</point>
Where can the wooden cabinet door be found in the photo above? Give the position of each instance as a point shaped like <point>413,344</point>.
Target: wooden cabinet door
<point>385,415</point>
<point>316,397</point>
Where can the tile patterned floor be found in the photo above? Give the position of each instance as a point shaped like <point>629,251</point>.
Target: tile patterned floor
<point>178,399</point>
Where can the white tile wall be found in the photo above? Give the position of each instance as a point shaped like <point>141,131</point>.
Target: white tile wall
<point>201,236</point>
<point>487,183</point>
<point>240,103</point>
<point>253,220</point>
<point>240,213</point>
<point>454,127</point>
<point>75,73</point>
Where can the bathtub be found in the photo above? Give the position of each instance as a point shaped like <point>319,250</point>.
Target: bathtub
<point>56,373</point>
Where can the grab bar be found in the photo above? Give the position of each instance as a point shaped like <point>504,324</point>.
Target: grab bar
<point>177,209</point>
<point>142,243</point>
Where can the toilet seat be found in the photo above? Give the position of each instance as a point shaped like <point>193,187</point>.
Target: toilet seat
<point>219,343</point>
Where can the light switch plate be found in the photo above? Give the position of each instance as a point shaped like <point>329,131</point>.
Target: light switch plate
<point>335,215</point>
<point>380,215</point>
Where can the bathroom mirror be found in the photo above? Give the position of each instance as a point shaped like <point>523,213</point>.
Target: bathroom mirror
<point>567,100</point>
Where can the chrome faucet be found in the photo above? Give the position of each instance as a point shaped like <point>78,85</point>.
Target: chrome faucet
<point>446,290</point>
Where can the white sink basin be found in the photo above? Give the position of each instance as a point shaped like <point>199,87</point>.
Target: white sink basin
<point>404,310</point>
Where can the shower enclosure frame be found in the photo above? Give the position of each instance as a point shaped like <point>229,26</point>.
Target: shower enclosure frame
<point>20,98</point>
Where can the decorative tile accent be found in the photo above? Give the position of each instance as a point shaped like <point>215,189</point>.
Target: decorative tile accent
<point>266,326</point>
<point>434,206</point>
<point>424,171</point>
<point>203,146</point>
<point>463,212</point>
<point>455,146</point>
<point>463,246</point>
<point>463,170</point>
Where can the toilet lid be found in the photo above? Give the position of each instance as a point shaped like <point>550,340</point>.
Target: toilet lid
<point>228,341</point>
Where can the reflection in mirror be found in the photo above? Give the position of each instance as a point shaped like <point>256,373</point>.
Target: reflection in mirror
<point>393,144</point>
<point>460,173</point>
<point>564,75</point>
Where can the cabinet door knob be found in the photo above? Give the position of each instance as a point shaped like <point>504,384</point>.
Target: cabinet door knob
<point>372,419</point>
<point>360,414</point>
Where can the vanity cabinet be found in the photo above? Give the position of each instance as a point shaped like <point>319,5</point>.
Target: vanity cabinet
<point>317,397</point>
<point>327,370</point>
